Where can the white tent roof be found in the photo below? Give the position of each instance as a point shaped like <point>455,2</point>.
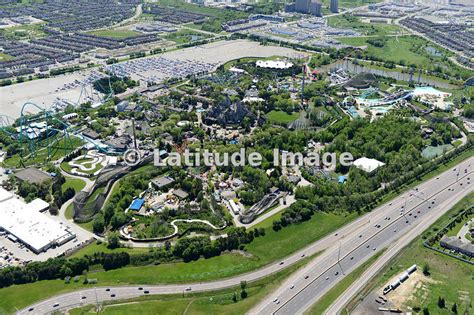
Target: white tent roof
<point>368,165</point>
<point>274,64</point>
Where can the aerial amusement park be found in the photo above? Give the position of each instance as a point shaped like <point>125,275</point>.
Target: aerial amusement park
<point>41,134</point>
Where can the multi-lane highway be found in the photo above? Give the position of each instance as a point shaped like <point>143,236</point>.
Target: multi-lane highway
<point>400,221</point>
<point>344,250</point>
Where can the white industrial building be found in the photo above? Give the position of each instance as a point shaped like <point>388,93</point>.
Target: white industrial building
<point>25,223</point>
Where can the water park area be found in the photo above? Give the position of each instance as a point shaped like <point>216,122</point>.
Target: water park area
<point>375,102</point>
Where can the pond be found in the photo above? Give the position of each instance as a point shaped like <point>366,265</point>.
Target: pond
<point>433,51</point>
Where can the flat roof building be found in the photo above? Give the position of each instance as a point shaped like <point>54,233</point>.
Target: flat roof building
<point>137,204</point>
<point>181,194</point>
<point>453,243</point>
<point>162,182</point>
<point>32,175</point>
<point>28,225</point>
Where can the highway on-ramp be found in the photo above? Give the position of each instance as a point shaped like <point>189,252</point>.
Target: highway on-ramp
<point>348,245</point>
<point>401,221</point>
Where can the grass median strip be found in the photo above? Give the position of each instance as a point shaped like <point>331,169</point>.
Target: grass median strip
<point>327,299</point>
<point>216,302</point>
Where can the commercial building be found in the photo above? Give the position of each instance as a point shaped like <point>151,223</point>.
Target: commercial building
<point>232,206</point>
<point>334,6</point>
<point>26,224</point>
<point>181,194</point>
<point>455,244</point>
<point>163,182</point>
<point>32,175</point>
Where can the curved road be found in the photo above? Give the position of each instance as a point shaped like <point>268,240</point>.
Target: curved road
<point>401,221</point>
<point>350,241</point>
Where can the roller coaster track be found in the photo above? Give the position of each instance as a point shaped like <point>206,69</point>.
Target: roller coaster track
<point>20,130</point>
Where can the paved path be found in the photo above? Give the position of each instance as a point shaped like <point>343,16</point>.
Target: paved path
<point>465,230</point>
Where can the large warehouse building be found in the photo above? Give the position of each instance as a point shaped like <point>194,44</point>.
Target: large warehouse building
<point>25,223</point>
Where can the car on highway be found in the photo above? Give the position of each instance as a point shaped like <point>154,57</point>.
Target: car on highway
<point>112,295</point>
<point>188,289</point>
<point>56,305</point>
<point>31,309</point>
<point>146,292</point>
<point>292,286</point>
<point>140,289</point>
<point>281,263</point>
<point>306,277</point>
<point>83,297</point>
<point>107,290</point>
<point>327,278</point>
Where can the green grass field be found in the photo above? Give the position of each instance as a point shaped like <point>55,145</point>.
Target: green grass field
<point>69,212</point>
<point>455,230</point>
<point>186,36</point>
<point>214,12</point>
<point>102,247</point>
<point>394,50</point>
<point>450,278</point>
<point>219,302</point>
<point>19,296</point>
<point>407,50</point>
<point>34,30</point>
<point>343,21</point>
<point>5,57</point>
<point>120,34</point>
<point>276,245</point>
<point>75,183</point>
<point>281,117</point>
<point>58,150</point>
